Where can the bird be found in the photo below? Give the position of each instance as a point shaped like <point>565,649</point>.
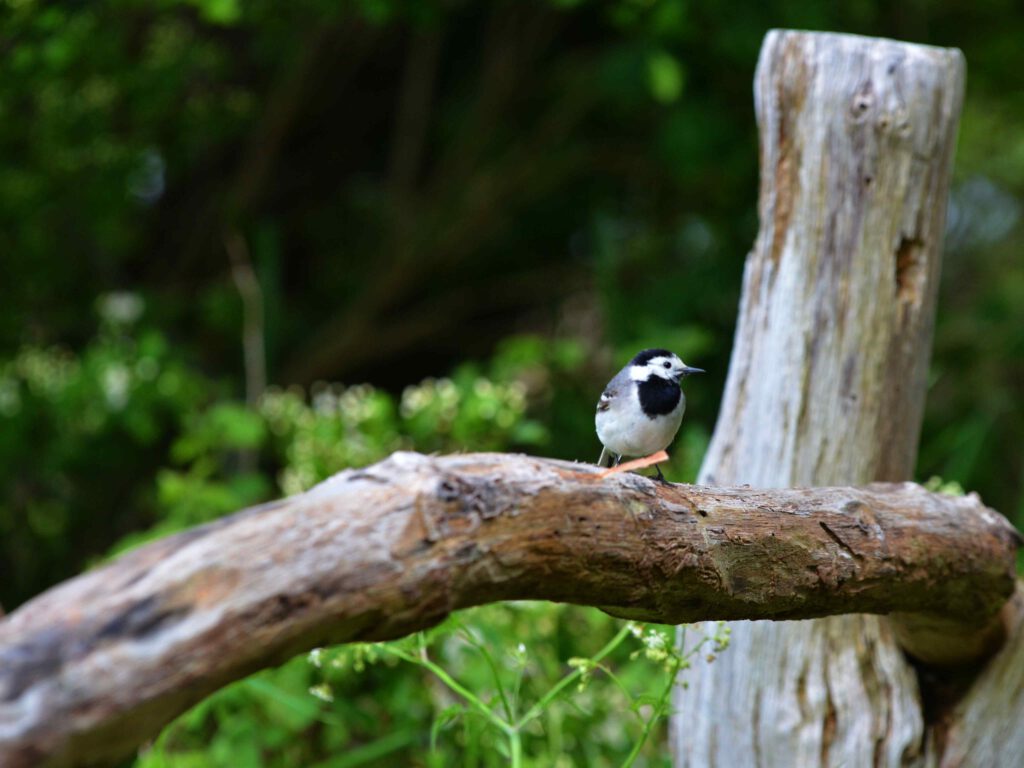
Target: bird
<point>642,407</point>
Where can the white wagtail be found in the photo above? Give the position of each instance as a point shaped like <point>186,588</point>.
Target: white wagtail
<point>641,408</point>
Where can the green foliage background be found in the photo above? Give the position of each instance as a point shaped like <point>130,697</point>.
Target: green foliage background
<point>461,218</point>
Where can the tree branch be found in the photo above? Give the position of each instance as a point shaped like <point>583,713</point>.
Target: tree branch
<point>98,664</point>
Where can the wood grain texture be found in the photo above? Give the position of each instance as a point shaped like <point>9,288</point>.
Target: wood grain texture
<point>984,727</point>
<point>827,377</point>
<point>827,380</point>
<point>95,666</point>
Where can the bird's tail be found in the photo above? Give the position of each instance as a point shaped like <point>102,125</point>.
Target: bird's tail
<point>605,458</point>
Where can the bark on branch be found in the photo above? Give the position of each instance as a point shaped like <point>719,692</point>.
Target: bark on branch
<point>96,665</point>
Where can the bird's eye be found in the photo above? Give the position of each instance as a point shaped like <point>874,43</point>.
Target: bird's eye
<point>667,364</point>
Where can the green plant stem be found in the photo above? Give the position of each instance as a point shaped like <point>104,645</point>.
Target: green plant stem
<point>614,678</point>
<point>454,685</point>
<point>569,679</point>
<point>659,710</point>
<point>513,730</point>
<point>509,711</point>
<point>515,741</point>
<point>518,686</point>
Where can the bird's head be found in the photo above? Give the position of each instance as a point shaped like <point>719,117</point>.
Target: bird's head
<point>660,363</point>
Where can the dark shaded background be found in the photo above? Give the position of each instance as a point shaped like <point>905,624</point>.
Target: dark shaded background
<point>410,183</point>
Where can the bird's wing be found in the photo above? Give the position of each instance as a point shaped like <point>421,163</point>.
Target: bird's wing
<point>607,396</point>
<point>617,387</point>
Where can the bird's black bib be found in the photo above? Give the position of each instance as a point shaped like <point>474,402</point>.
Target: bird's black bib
<point>658,396</point>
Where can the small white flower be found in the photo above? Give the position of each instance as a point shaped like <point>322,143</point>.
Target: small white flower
<point>322,692</point>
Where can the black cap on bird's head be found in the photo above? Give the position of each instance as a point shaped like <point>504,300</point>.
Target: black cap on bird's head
<point>645,356</point>
<point>652,359</point>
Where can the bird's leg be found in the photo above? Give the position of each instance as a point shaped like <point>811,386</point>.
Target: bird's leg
<point>660,477</point>
<point>618,459</point>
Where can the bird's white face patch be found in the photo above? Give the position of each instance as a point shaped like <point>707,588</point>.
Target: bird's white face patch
<point>666,366</point>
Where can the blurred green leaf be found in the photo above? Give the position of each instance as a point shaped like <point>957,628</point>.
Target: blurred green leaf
<point>666,77</point>
<point>219,11</point>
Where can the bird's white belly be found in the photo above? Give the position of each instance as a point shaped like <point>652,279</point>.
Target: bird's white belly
<point>633,434</point>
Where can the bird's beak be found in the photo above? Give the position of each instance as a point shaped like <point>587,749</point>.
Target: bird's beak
<point>687,370</point>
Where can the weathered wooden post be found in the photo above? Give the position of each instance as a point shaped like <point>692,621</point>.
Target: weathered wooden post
<point>827,380</point>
